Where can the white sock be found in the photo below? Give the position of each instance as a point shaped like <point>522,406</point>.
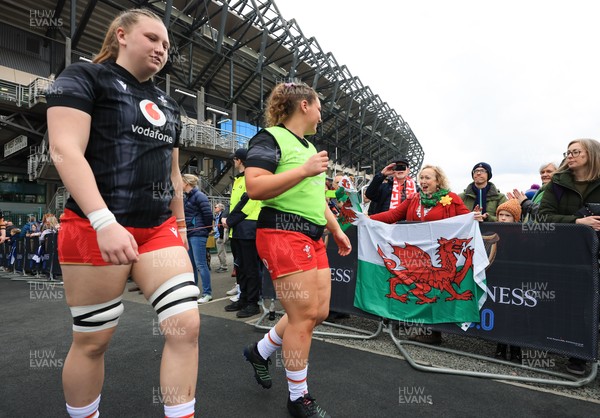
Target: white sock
<point>297,383</point>
<point>181,410</point>
<point>90,411</point>
<point>269,343</point>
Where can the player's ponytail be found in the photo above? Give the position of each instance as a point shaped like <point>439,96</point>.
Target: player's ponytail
<point>284,99</point>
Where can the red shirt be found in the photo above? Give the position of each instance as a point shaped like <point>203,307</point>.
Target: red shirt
<point>412,210</point>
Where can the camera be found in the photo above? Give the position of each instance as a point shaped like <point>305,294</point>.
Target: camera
<point>400,167</point>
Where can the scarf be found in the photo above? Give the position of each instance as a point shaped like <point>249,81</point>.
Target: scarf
<point>430,202</point>
<point>401,191</point>
<point>481,196</point>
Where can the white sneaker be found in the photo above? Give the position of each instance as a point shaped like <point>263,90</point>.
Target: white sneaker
<point>234,290</point>
<point>205,298</point>
<point>235,298</point>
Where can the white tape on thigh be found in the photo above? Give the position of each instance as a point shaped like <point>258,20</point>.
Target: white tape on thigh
<point>94,318</point>
<point>176,295</point>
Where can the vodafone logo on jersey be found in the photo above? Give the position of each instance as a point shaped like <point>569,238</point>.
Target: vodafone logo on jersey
<point>152,113</point>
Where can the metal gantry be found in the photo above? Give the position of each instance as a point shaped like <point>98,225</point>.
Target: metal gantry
<point>236,51</point>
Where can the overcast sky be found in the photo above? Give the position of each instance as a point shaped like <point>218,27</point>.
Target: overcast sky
<point>509,83</point>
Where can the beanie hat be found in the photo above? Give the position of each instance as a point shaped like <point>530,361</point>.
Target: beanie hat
<point>513,207</point>
<point>532,191</point>
<point>240,154</point>
<point>485,166</point>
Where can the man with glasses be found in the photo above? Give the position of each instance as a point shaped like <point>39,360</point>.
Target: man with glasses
<point>482,193</point>
<point>390,187</point>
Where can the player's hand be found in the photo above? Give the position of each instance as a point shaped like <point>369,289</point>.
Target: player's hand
<point>343,242</point>
<point>117,245</point>
<point>316,164</point>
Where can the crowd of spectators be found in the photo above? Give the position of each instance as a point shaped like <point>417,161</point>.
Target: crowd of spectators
<point>569,193</point>
<point>11,234</point>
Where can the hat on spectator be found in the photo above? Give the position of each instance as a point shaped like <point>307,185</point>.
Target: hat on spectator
<point>485,166</point>
<point>402,160</point>
<point>532,191</point>
<point>240,154</point>
<point>513,207</point>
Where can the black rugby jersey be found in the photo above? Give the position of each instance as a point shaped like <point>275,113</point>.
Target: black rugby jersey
<point>264,151</point>
<point>134,128</point>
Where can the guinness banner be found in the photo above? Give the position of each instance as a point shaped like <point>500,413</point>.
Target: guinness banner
<point>343,276</point>
<point>542,286</point>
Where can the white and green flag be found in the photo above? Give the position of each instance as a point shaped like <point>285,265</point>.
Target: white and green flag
<point>430,272</point>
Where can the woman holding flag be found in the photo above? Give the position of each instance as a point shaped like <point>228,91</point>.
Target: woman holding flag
<point>434,202</point>
<point>286,172</point>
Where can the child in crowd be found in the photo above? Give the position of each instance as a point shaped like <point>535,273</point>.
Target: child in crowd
<point>509,211</point>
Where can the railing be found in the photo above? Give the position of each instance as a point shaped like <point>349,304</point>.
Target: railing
<point>206,136</point>
<point>208,188</point>
<point>58,202</point>
<point>25,95</point>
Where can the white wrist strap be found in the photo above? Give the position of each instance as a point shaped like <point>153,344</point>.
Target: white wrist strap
<point>101,218</point>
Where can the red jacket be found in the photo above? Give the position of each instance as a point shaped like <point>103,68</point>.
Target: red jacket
<point>409,210</point>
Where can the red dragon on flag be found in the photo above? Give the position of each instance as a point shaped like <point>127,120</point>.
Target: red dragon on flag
<point>418,270</point>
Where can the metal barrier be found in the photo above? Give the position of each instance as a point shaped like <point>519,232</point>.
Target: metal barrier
<point>270,313</point>
<point>30,258</point>
<point>561,319</point>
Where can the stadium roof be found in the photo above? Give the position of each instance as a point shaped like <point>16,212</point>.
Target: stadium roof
<point>235,51</point>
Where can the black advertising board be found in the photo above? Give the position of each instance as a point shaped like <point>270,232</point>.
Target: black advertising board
<point>542,287</point>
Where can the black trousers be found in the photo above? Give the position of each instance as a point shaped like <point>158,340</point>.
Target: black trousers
<point>248,270</point>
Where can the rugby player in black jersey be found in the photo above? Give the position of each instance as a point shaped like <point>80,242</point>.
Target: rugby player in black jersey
<point>113,138</point>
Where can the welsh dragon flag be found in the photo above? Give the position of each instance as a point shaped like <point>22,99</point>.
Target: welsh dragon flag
<point>348,200</point>
<point>430,272</point>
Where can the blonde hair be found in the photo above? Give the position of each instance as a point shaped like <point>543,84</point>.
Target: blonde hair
<point>440,176</point>
<point>283,101</point>
<point>190,179</point>
<point>126,19</point>
<point>52,222</point>
<point>592,148</point>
